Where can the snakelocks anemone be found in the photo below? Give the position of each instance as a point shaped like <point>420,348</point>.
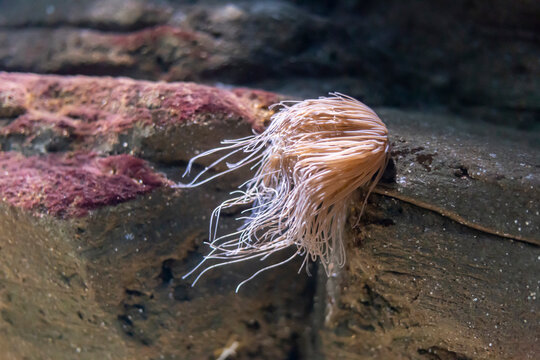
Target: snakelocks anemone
<point>310,160</point>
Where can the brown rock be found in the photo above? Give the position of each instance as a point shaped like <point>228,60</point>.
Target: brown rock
<point>434,270</point>
<point>476,175</point>
<point>51,113</point>
<point>94,242</point>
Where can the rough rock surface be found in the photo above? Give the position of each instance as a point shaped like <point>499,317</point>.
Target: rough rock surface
<point>71,185</point>
<point>471,163</point>
<point>86,273</point>
<point>50,114</point>
<point>432,271</point>
<point>471,57</point>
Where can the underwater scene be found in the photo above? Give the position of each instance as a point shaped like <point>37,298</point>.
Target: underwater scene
<point>273,179</point>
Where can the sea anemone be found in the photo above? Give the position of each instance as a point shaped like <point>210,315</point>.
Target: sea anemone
<point>310,160</point>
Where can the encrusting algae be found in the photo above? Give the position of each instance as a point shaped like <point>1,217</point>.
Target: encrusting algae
<point>312,157</point>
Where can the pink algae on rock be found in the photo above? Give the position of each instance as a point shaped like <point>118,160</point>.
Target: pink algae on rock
<point>83,106</point>
<point>71,185</point>
<point>87,119</point>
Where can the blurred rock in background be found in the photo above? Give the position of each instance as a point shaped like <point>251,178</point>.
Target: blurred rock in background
<point>468,57</point>
<point>94,241</point>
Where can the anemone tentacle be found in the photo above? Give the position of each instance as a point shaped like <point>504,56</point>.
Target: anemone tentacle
<point>310,160</point>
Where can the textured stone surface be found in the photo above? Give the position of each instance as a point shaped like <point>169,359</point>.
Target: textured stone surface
<point>94,243</point>
<point>418,285</point>
<point>424,286</point>
<point>71,185</point>
<point>109,286</point>
<point>469,57</point>
<point>484,177</point>
<point>43,114</point>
